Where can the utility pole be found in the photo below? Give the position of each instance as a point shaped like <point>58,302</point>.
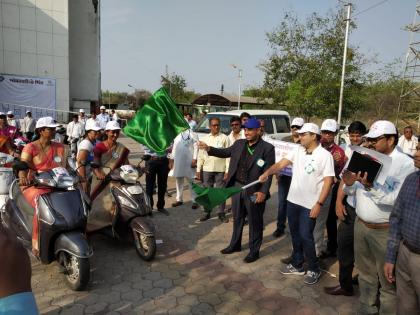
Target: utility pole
<point>343,72</point>
<point>411,75</point>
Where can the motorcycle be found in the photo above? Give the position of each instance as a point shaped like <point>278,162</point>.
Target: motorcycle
<point>62,217</point>
<point>129,220</point>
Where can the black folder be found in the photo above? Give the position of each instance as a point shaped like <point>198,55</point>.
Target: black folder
<point>364,163</point>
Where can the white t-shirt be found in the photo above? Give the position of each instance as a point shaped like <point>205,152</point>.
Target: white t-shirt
<point>309,171</point>
<point>85,145</point>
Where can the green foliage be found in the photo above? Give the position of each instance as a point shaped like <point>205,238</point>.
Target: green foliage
<point>303,72</point>
<point>176,85</point>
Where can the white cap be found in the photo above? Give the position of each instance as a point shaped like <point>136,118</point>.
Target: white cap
<point>380,128</point>
<point>297,122</point>
<point>112,125</point>
<point>102,107</point>
<point>309,127</point>
<point>81,110</point>
<point>28,111</point>
<point>92,125</point>
<point>48,122</point>
<point>2,114</point>
<point>10,112</point>
<point>329,125</point>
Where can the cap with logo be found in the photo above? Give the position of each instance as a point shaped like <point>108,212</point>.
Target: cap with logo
<point>329,125</point>
<point>47,122</point>
<point>297,122</point>
<point>252,123</point>
<point>380,128</point>
<point>309,127</point>
<point>92,125</point>
<point>112,125</point>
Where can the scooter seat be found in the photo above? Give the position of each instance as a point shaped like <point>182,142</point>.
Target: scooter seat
<point>21,202</point>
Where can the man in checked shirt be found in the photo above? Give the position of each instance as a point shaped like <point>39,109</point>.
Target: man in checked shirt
<point>404,243</point>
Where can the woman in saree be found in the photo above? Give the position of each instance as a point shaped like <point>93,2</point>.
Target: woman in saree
<point>5,146</point>
<point>109,155</point>
<point>41,155</point>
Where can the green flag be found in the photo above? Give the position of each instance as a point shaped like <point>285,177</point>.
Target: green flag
<point>212,197</point>
<point>157,123</point>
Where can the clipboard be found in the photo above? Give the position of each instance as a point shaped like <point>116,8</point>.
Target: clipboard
<point>364,163</point>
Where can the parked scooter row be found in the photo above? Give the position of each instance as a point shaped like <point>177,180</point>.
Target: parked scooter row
<point>62,216</point>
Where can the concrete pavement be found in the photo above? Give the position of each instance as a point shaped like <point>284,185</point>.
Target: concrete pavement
<point>189,275</point>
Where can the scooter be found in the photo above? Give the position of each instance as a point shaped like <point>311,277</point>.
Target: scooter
<point>62,217</point>
<point>6,177</point>
<point>129,221</point>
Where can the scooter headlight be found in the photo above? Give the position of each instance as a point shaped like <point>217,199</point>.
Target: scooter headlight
<point>126,202</point>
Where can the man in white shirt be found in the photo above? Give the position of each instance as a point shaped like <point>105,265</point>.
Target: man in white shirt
<point>191,121</point>
<point>237,131</point>
<point>114,115</point>
<point>313,175</point>
<point>11,120</point>
<point>103,117</point>
<point>28,125</point>
<point>408,142</point>
<point>374,203</point>
<point>214,169</point>
<point>82,117</point>
<point>75,131</point>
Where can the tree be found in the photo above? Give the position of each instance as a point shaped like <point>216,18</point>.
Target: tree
<point>175,85</point>
<point>303,71</point>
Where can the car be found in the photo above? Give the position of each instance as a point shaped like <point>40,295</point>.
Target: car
<point>277,122</point>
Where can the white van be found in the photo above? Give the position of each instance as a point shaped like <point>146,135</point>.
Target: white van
<point>277,122</point>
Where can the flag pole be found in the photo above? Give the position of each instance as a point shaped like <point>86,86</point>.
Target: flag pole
<point>250,184</point>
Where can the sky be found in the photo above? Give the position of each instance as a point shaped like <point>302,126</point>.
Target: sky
<point>200,40</point>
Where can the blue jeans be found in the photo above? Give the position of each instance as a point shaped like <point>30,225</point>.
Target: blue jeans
<point>283,190</point>
<point>301,228</point>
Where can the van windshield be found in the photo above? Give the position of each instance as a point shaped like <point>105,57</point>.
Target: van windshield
<point>203,125</point>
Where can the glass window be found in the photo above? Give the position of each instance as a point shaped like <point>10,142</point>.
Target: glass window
<point>282,124</point>
<point>268,123</point>
<point>203,126</point>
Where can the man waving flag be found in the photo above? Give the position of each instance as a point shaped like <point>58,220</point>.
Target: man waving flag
<point>157,123</point>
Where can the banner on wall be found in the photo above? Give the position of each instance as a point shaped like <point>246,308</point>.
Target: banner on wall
<point>21,93</point>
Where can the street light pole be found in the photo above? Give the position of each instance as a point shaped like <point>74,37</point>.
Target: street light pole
<point>343,73</point>
<point>240,82</point>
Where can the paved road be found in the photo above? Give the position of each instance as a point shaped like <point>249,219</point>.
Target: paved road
<point>189,275</point>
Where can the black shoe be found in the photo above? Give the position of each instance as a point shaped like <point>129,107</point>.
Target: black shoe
<point>250,258</point>
<point>163,211</point>
<point>205,217</point>
<point>194,205</point>
<point>229,250</point>
<point>286,260</point>
<point>278,233</point>
<point>176,204</point>
<point>337,290</point>
<point>223,218</point>
<point>355,280</point>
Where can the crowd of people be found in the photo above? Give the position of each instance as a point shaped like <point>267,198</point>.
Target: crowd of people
<point>379,224</point>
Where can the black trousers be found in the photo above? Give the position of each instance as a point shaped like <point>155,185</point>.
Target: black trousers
<point>160,169</point>
<point>242,206</point>
<point>346,249</point>
<point>332,221</point>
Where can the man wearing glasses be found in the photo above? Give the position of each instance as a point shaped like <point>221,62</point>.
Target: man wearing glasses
<point>214,169</point>
<point>284,178</point>
<point>313,174</point>
<point>374,203</point>
<point>237,132</point>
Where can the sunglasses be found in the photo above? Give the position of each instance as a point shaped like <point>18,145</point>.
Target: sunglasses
<point>296,127</point>
<point>375,140</point>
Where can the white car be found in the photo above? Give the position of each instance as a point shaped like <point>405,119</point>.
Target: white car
<point>277,122</point>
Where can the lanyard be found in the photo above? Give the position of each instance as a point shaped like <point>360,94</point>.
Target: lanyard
<point>250,151</point>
